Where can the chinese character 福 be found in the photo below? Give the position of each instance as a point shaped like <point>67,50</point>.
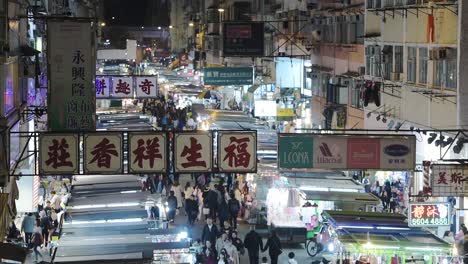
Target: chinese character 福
<point>237,152</point>
<point>193,154</point>
<point>102,153</point>
<point>151,149</point>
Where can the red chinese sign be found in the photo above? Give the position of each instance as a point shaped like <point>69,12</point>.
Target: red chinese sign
<point>429,214</point>
<point>193,152</point>
<point>58,153</point>
<point>146,87</point>
<point>449,180</point>
<point>122,87</point>
<point>103,153</point>
<point>147,152</point>
<point>237,152</point>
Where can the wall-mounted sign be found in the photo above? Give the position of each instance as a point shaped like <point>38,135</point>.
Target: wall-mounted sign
<point>193,152</point>
<point>429,214</point>
<point>228,76</point>
<point>72,105</point>
<point>237,152</point>
<point>58,154</point>
<point>147,152</point>
<point>243,39</point>
<point>449,180</point>
<point>103,153</point>
<point>301,151</point>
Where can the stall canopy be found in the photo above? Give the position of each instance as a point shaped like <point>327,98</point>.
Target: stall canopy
<point>341,196</point>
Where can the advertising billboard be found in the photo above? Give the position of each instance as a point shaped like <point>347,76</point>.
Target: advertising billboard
<point>429,214</point>
<point>228,76</point>
<point>243,39</point>
<point>449,180</point>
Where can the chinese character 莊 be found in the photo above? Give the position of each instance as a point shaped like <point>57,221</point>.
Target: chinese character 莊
<point>58,154</point>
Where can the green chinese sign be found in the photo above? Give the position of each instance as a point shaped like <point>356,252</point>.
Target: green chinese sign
<point>295,151</point>
<point>72,98</point>
<point>228,76</point>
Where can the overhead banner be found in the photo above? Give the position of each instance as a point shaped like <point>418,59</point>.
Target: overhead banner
<point>103,153</point>
<point>193,152</point>
<point>449,180</point>
<point>122,87</point>
<point>429,214</point>
<point>102,87</point>
<point>71,58</point>
<point>228,76</point>
<point>304,151</point>
<point>237,152</point>
<point>147,152</point>
<point>243,39</point>
<point>108,87</point>
<point>58,154</point>
<point>146,87</point>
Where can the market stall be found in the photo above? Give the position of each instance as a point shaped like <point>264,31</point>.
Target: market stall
<point>378,238</point>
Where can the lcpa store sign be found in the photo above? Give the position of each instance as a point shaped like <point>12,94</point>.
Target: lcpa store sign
<point>305,151</point>
<point>148,152</point>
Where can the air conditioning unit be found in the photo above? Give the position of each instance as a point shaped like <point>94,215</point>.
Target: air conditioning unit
<point>395,76</point>
<point>362,70</point>
<point>345,82</point>
<point>335,80</point>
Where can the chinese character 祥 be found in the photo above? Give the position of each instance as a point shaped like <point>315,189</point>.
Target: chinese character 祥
<point>100,86</point>
<point>442,178</point>
<point>102,153</point>
<point>146,86</point>
<point>149,152</point>
<point>58,154</point>
<point>193,154</point>
<point>78,72</point>
<point>418,211</point>
<point>237,153</point>
<point>78,57</point>
<point>456,178</point>
<point>432,211</point>
<point>122,87</point>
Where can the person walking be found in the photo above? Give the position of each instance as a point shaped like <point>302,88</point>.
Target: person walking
<point>220,242</point>
<point>210,232</point>
<point>234,208</point>
<point>55,201</point>
<point>172,204</point>
<point>273,245</point>
<point>177,189</point>
<point>191,208</point>
<point>224,257</point>
<point>36,241</point>
<point>46,224</point>
<point>232,251</point>
<point>27,227</point>
<point>223,212</point>
<point>209,254</point>
<point>237,242</point>
<point>253,242</point>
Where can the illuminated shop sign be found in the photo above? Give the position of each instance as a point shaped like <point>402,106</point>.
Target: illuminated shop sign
<point>429,214</point>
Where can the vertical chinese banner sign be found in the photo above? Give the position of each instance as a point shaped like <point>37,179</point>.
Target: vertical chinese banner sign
<point>193,152</point>
<point>103,153</point>
<point>147,152</point>
<point>72,99</point>
<point>58,154</point>
<point>237,152</point>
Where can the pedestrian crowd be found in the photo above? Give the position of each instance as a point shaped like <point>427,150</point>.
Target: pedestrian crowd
<point>390,193</point>
<point>168,116</point>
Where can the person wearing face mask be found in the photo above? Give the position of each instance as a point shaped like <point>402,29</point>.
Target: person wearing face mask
<point>224,257</point>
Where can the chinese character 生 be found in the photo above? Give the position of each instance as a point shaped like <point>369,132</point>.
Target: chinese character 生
<point>193,154</point>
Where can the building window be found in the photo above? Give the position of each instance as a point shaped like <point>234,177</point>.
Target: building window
<point>411,64</point>
<point>423,60</point>
<point>387,60</point>
<point>356,98</point>
<point>446,70</point>
<point>399,59</point>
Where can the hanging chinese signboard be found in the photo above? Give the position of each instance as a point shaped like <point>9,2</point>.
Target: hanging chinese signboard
<point>449,180</point>
<point>72,105</point>
<point>102,87</point>
<point>304,151</point>
<point>103,153</point>
<point>243,39</point>
<point>429,214</point>
<point>147,152</point>
<point>237,152</point>
<point>228,76</point>
<point>193,152</point>
<point>122,87</point>
<point>58,154</point>
<point>146,87</point>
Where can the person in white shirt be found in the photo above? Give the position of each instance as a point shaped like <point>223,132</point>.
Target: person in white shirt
<point>55,201</point>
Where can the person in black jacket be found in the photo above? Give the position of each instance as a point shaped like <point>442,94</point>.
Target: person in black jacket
<point>274,246</point>
<point>210,232</point>
<point>191,207</point>
<point>253,243</point>
<point>172,204</point>
<point>234,208</point>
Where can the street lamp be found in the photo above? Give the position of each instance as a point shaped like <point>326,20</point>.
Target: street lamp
<point>221,10</point>
<point>103,24</point>
<point>170,26</point>
<point>191,24</point>
<point>159,28</point>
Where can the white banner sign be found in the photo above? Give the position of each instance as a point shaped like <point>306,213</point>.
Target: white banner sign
<point>330,152</point>
<point>146,87</point>
<point>147,152</point>
<point>122,87</point>
<point>237,152</point>
<point>449,180</point>
<point>58,154</point>
<point>102,87</point>
<point>103,153</point>
<point>193,152</point>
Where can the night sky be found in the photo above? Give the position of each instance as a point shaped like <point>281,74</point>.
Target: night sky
<point>137,12</point>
